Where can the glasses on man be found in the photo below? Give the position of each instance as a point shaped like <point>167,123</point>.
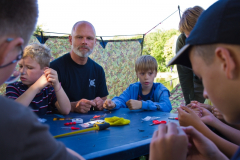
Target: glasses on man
<point>16,74</point>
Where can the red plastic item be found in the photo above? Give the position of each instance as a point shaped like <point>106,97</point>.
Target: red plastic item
<point>96,116</point>
<point>72,128</point>
<point>69,123</point>
<point>159,122</point>
<point>176,118</point>
<point>75,128</point>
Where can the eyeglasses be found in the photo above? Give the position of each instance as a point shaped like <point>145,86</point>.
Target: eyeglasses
<point>18,57</point>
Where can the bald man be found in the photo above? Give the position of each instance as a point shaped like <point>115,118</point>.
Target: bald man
<point>82,79</point>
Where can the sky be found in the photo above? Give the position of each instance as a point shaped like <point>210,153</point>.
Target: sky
<point>113,17</point>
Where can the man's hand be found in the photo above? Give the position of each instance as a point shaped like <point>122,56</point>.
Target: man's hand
<point>109,104</point>
<point>134,104</point>
<point>201,148</point>
<point>99,103</point>
<point>41,83</point>
<point>169,142</point>
<point>52,77</point>
<point>83,106</point>
<point>187,117</point>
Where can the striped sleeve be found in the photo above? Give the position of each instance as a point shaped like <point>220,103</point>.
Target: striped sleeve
<point>12,91</point>
<point>52,96</point>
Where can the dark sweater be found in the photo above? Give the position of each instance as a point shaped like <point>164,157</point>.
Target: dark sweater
<point>186,75</point>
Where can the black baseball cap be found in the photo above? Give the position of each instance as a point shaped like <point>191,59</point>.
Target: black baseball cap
<point>220,23</point>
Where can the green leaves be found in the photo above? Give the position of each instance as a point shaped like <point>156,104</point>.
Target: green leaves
<point>161,45</point>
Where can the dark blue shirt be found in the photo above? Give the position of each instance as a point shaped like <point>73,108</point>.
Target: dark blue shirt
<point>80,81</point>
<point>149,96</point>
<point>236,156</point>
<point>42,103</point>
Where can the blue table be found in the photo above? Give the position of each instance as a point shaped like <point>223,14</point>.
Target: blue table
<point>117,142</point>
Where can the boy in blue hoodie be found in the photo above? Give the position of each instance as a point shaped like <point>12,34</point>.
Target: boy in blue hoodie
<point>146,94</point>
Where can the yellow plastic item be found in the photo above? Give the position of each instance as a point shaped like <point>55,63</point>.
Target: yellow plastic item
<point>207,101</point>
<point>117,121</point>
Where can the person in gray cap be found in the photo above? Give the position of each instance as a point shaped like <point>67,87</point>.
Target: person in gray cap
<point>212,50</point>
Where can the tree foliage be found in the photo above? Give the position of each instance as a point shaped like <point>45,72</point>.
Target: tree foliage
<point>160,45</point>
<point>38,30</point>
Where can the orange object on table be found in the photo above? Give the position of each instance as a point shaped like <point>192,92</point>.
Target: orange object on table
<point>96,116</point>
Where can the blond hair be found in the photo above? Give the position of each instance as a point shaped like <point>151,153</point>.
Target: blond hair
<point>189,19</point>
<point>145,63</point>
<point>39,52</point>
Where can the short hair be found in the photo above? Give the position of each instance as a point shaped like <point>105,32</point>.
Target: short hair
<point>39,52</point>
<point>206,52</point>
<point>145,63</point>
<point>189,18</point>
<point>18,17</point>
<point>86,22</point>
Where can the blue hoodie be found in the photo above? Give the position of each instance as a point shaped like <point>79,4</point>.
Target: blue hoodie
<point>160,100</point>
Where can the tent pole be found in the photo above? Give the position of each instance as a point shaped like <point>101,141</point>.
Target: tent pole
<point>142,44</point>
<point>179,11</point>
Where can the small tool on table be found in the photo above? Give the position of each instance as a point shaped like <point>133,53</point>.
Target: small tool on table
<point>69,123</point>
<point>157,122</point>
<point>61,119</point>
<point>72,128</point>
<point>175,118</point>
<point>96,127</point>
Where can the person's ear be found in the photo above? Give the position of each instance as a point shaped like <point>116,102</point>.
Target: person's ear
<point>228,65</point>
<point>43,69</point>
<point>137,74</point>
<point>70,39</point>
<point>95,41</point>
<point>9,46</point>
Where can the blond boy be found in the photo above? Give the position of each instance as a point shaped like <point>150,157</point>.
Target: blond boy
<point>39,87</point>
<point>146,94</point>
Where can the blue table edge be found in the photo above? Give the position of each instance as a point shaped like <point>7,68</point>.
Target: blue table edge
<point>117,149</point>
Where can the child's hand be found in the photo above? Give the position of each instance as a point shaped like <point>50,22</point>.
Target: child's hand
<point>109,104</point>
<point>201,147</point>
<point>208,107</point>
<point>41,83</point>
<point>169,142</point>
<point>52,77</point>
<point>134,104</point>
<point>187,117</point>
<point>196,108</point>
<point>207,117</point>
<point>217,113</point>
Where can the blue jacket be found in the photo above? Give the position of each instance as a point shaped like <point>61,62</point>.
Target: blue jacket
<point>161,98</point>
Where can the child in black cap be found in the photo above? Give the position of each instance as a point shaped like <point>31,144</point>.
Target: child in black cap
<point>213,52</point>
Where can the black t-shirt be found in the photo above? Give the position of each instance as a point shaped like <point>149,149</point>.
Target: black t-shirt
<point>80,81</point>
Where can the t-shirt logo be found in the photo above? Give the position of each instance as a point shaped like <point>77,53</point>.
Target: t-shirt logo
<point>92,83</point>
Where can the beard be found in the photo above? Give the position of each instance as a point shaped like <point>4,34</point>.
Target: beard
<point>81,54</point>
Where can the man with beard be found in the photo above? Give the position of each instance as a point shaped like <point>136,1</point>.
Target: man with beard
<point>82,79</point>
